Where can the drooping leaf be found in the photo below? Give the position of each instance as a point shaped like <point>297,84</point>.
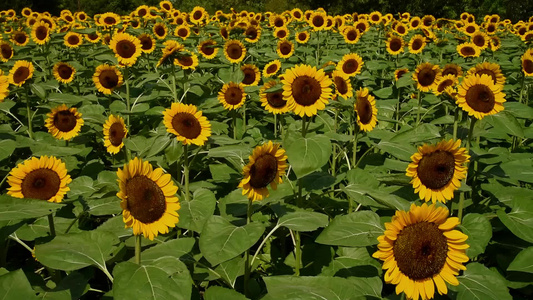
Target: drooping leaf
<point>523,262</point>
<point>20,209</point>
<point>354,230</point>
<point>520,219</point>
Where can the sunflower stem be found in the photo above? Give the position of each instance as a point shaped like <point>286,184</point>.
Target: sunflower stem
<point>173,89</point>
<point>247,266</point>
<point>304,128</point>
<point>30,127</point>
<point>51,225</point>
<point>461,206</point>
<point>455,122</point>
<point>138,249</point>
<point>275,126</point>
<point>243,118</point>
<point>234,123</point>
<point>354,157</point>
<point>418,109</point>
<point>186,170</point>
<point>522,87</point>
<point>128,106</point>
<point>397,126</point>
<point>334,154</point>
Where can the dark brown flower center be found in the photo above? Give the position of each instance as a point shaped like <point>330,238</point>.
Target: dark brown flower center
<point>364,110</point>
<point>233,95</point>
<point>116,134</point>
<point>263,171</point>
<point>480,98</point>
<point>279,22</point>
<point>110,21</point>
<point>207,48</point>
<point>318,21</point>
<point>160,30</point>
<point>417,44</point>
<point>145,199</point>
<point>302,36</point>
<point>415,23</point>
<point>92,36</point>
<point>491,28</point>
<point>125,48</point>
<point>73,40</point>
<point>352,35</point>
<point>400,29</point>
<point>7,51</point>
<point>64,71</point>
<point>306,90</point>
<point>146,43</point>
<point>40,184</point>
<point>186,125</point>
<point>185,60</point>
<point>197,15</point>
<point>20,37</point>
<point>65,120</point>
<point>450,70</point>
<point>341,85</point>
<point>108,79</point>
<point>426,76</point>
<point>234,51</point>
<point>444,84</point>
<point>420,250</point>
<point>183,32</point>
<point>400,73</point>
<point>281,34</point>
<point>276,100</point>
<point>285,48</point>
<point>470,29</point>
<point>436,169</point>
<point>479,40</point>
<point>361,27</point>
<point>468,51</point>
<point>273,68</point>
<point>41,33</point>
<point>350,66</point>
<point>21,74</point>
<point>395,44</point>
<point>251,33</point>
<point>249,76</point>
<point>527,66</point>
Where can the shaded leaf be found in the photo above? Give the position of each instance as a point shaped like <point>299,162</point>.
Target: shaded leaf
<point>15,286</point>
<point>20,209</point>
<point>354,230</point>
<point>308,154</point>
<point>478,282</point>
<point>479,232</point>
<point>523,262</point>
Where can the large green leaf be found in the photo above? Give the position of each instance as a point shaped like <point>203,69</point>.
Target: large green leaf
<point>505,122</point>
<point>421,133</point>
<point>521,169</point>
<point>75,251</point>
<point>15,286</point>
<point>400,151</point>
<point>134,281</point>
<point>479,232</point>
<point>303,220</point>
<point>194,213</point>
<point>523,262</point>
<point>306,155</point>
<point>354,230</point>
<point>179,248</point>
<point>478,282</point>
<point>520,219</point>
<point>220,293</point>
<point>231,269</point>
<point>290,287</point>
<point>221,241</point>
<point>6,148</point>
<point>20,209</point>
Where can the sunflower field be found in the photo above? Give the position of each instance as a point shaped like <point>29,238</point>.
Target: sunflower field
<point>170,154</point>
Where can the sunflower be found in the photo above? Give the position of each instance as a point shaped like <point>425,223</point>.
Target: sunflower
<point>40,33</point>
<point>20,72</point>
<point>252,34</point>
<point>395,45</point>
<point>114,133</point>
<point>365,107</point>
<point>527,63</point>
<point>197,15</point>
<point>20,38</point>
<point>171,50</point>
<point>148,198</point>
<point>417,44</point>
<point>106,78</point>
<point>127,48</point>
<point>351,35</point>
<point>415,22</point>
<point>73,39</point>
<point>343,86</point>
<point>273,101</point>
<point>276,20</point>
<point>147,43</point>
<point>452,69</point>
<point>491,69</point>
<point>208,49</point>
<point>4,87</point>
<point>421,250</point>
<point>166,5</point>
<point>271,68</point>
<point>266,167</point>
<point>160,30</point>
<point>479,96</point>
<point>317,20</point>
<point>285,49</point>
<point>400,29</point>
<point>426,76</point>
<point>480,39</point>
<point>350,64</point>
<point>187,60</point>
<point>428,20</point>
<point>400,72</point>
<point>182,31</point>
<point>187,123</point>
<point>234,51</point>
<point>6,51</point>
<point>375,17</point>
<point>306,89</point>
<point>26,11</point>
<point>94,37</point>
<point>109,19</point>
<point>63,122</point>
<point>468,50</point>
<point>64,72</point>
<point>43,178</point>
<point>494,43</point>
<point>251,75</point>
<point>446,85</point>
<point>81,16</point>
<point>232,95</point>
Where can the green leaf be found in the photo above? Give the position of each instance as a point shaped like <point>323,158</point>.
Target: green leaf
<point>6,148</point>
<point>478,282</point>
<point>67,99</point>
<point>75,251</point>
<point>133,281</point>
<point>220,293</point>
<point>400,151</point>
<point>520,219</point>
<point>505,122</point>
<point>383,93</point>
<point>479,232</point>
<point>303,220</point>
<point>306,155</point>
<point>15,286</point>
<point>422,133</point>
<point>194,214</point>
<point>178,248</point>
<point>104,206</point>
<point>357,229</point>
<point>405,80</point>
<point>290,287</point>
<point>20,209</point>
<point>523,262</point>
<point>519,110</point>
<point>231,269</point>
<point>521,169</point>
<point>158,144</point>
<point>221,241</point>
<point>317,181</point>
